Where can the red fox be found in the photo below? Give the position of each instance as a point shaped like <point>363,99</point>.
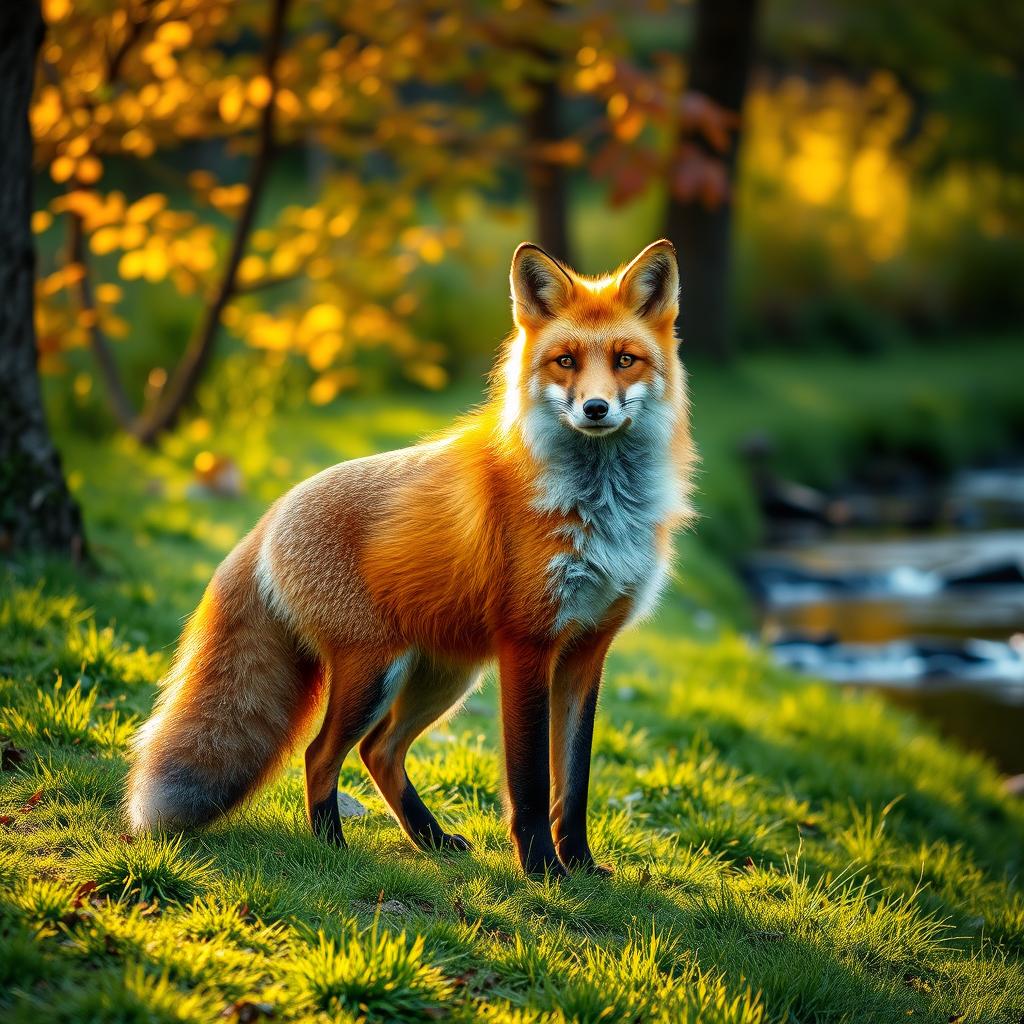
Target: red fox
<point>529,533</point>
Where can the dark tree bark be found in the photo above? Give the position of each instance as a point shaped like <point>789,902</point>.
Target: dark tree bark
<point>720,62</point>
<point>547,177</point>
<point>36,508</point>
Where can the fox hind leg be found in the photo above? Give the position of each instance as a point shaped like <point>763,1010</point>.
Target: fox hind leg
<point>361,686</point>
<point>431,689</point>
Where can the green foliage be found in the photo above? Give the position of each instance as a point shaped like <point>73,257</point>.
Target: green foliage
<point>146,868</point>
<point>57,717</point>
<point>128,995</point>
<point>371,974</point>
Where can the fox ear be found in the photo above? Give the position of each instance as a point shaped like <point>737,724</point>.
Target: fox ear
<point>540,286</point>
<point>650,284</point>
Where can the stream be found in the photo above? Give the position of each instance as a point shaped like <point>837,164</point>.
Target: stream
<point>933,619</point>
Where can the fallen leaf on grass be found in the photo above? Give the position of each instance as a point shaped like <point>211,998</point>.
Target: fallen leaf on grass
<point>477,980</point>
<point>31,802</point>
<point>84,890</point>
<point>6,819</point>
<point>246,1011</point>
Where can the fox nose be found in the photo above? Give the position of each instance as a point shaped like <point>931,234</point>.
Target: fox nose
<point>595,408</point>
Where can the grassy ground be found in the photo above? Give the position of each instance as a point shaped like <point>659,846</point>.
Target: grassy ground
<point>784,851</point>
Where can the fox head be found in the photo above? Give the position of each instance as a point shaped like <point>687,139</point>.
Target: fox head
<point>593,357</point>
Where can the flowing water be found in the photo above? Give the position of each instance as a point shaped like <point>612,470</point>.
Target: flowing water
<point>933,620</point>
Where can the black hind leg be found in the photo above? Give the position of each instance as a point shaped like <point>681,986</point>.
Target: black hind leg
<point>326,820</point>
<point>431,689</point>
<point>360,691</point>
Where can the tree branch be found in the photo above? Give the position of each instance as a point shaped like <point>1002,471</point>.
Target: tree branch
<point>123,408</point>
<point>271,281</point>
<point>135,27</point>
<point>187,374</point>
<point>119,400</point>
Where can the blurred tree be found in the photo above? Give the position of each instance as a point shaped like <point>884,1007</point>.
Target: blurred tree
<point>129,83</point>
<point>652,128</point>
<point>411,107</point>
<point>698,218</point>
<point>547,176</point>
<point>182,384</point>
<point>546,171</point>
<point>961,65</point>
<point>36,508</point>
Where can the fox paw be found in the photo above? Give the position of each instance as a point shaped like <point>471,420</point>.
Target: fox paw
<point>453,841</point>
<point>444,841</point>
<point>584,863</point>
<point>326,823</point>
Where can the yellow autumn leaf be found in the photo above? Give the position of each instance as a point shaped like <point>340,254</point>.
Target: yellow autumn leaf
<point>251,269</point>
<point>175,34</point>
<point>56,10</point>
<point>431,250</point>
<point>131,265</point>
<point>105,240</point>
<point>155,264</point>
<point>146,207</point>
<point>322,317</point>
<point>259,91</point>
<point>324,350</point>
<point>61,169</point>
<point>230,105</point>
<point>323,390</point>
<point>427,374</point>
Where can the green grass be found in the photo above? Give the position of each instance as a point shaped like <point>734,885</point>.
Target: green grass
<point>784,851</point>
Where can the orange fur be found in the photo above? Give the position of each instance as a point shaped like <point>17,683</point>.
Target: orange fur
<point>393,578</point>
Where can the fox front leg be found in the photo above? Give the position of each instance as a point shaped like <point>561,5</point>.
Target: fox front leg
<point>525,672</point>
<point>574,692</point>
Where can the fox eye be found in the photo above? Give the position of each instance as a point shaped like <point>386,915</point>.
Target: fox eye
<point>566,362</point>
<point>624,360</point>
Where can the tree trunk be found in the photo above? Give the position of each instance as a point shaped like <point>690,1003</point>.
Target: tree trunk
<point>720,62</point>
<point>36,508</point>
<point>547,178</point>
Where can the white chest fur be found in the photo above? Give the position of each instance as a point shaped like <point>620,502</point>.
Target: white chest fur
<point>621,489</point>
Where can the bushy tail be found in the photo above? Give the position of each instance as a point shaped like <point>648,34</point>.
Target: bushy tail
<point>237,695</point>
